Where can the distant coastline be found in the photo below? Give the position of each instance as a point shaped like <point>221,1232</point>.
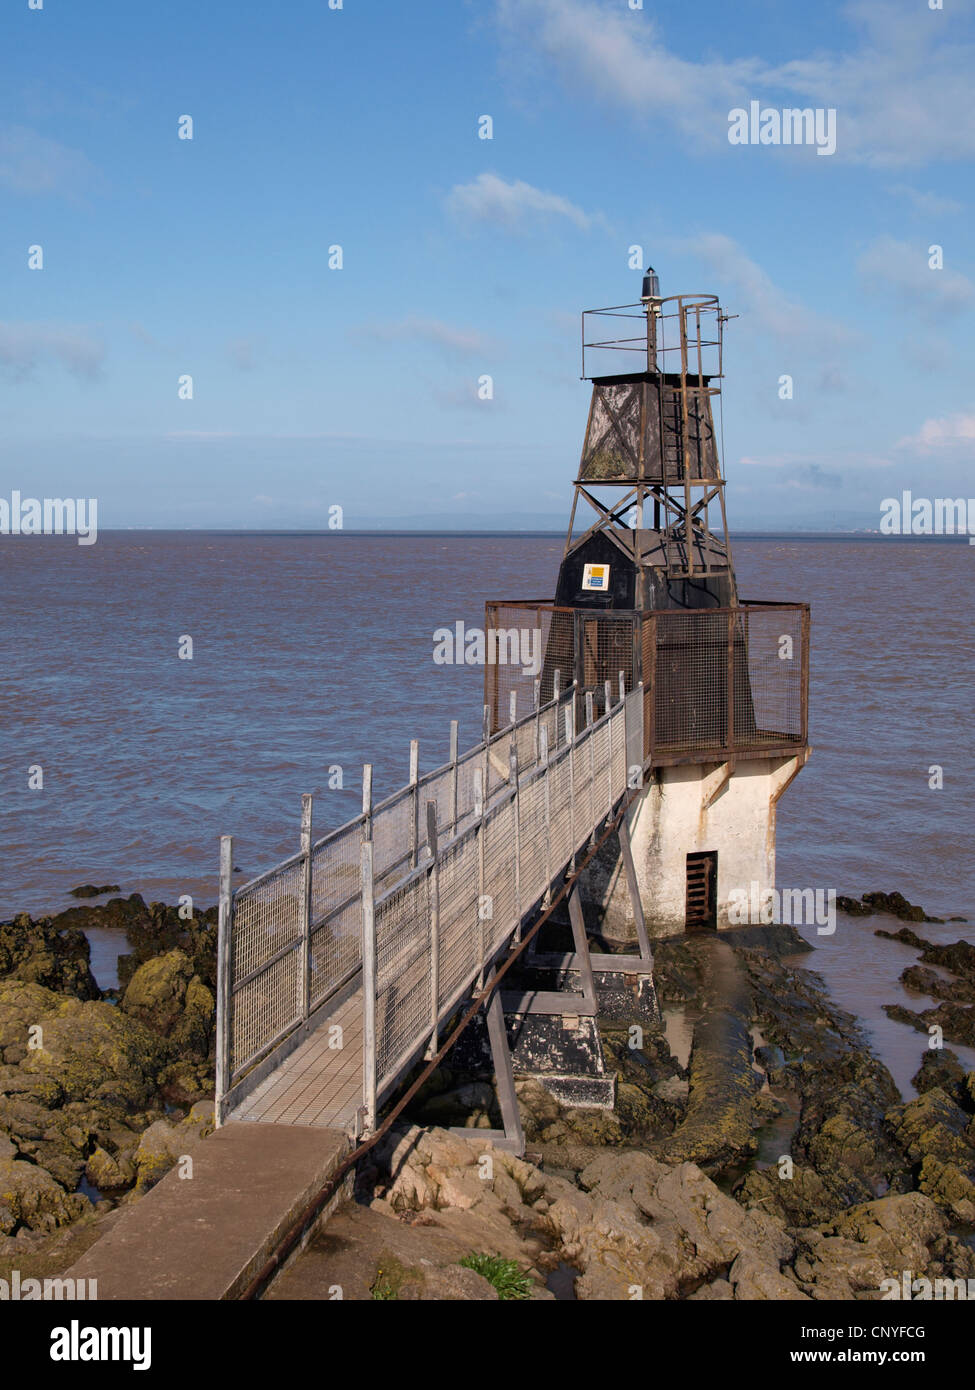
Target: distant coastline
<point>504,532</point>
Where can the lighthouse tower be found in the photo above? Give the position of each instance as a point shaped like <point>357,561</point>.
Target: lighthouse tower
<point>646,591</point>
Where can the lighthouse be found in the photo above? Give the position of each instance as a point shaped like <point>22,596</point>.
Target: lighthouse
<point>646,597</point>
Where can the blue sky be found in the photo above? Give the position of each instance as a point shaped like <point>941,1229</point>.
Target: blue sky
<point>463,257</point>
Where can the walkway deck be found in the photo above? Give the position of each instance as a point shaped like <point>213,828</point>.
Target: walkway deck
<point>318,1085</point>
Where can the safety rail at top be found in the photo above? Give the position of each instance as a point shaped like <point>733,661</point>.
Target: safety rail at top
<point>414,897</point>
<point>680,336</point>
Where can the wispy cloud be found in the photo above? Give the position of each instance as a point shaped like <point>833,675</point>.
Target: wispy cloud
<point>26,346</point>
<point>927,204</point>
<point>890,265</point>
<point>242,354</point>
<point>513,205</point>
<point>769,307</point>
<point>455,342</point>
<point>902,92</point>
<point>33,164</point>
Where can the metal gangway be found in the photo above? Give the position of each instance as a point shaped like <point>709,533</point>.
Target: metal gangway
<point>339,968</point>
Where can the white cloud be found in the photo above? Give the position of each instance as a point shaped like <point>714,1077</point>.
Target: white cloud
<point>888,264</point>
<point>514,205</point>
<point>951,431</point>
<point>902,90</point>
<point>25,346</point>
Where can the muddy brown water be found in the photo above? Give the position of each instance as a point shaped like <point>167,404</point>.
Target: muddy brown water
<point>313,652</point>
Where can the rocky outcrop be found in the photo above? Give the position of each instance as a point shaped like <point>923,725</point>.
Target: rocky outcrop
<point>31,1197</point>
<point>939,1139</point>
<point>168,997</point>
<point>46,953</point>
<point>633,1227</point>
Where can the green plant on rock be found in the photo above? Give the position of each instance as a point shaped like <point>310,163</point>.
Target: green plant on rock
<point>505,1275</point>
<point>382,1289</point>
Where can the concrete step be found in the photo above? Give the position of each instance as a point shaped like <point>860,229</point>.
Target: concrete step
<point>206,1236</point>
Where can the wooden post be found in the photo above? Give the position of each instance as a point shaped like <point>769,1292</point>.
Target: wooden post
<point>224,972</point>
<point>414,803</point>
<point>434,895</point>
<point>305,992</point>
<point>369,1040</point>
<point>512,706</point>
<point>581,943</point>
<point>501,1056</point>
<point>636,903</point>
<point>452,795</point>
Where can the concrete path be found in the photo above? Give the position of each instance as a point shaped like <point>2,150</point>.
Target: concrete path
<point>206,1236</point>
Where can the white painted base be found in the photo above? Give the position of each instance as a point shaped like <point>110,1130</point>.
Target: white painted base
<point>684,810</point>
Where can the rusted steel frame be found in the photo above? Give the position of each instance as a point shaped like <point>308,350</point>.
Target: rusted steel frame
<point>650,687</point>
<point>688,527</point>
<point>606,513</point>
<point>326,1192</point>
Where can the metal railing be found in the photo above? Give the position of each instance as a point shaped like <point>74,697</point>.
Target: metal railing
<point>717,682</point>
<point>416,894</point>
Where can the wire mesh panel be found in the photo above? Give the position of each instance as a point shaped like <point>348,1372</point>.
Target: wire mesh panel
<point>468,768</point>
<point>498,763</point>
<point>265,1009</point>
<point>460,936</point>
<point>336,911</point>
<point>403,1004</point>
<point>531,831</point>
<point>774,671</point>
<point>499,876</point>
<point>585,815</point>
<point>691,680</point>
<point>394,832</point>
<point>602,790</point>
<point>266,925</point>
<point>560,792</point>
<point>606,644</point>
<point>726,680</point>
<point>532,641</point>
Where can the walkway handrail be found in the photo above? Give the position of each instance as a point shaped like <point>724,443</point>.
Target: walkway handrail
<point>292,938</point>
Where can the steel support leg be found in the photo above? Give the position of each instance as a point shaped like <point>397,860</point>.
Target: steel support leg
<point>635,901</point>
